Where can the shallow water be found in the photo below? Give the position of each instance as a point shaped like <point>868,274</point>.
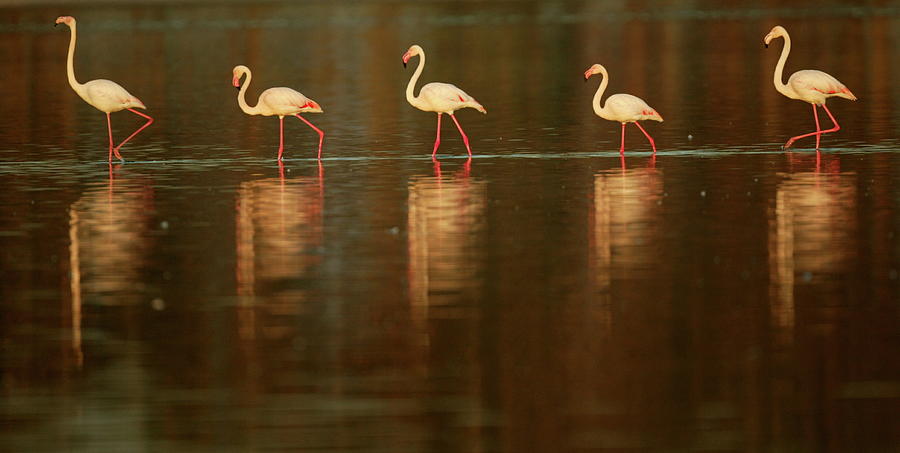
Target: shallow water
<point>546,295</point>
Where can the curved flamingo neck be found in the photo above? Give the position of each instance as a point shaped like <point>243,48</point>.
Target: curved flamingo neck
<point>779,69</point>
<point>242,102</point>
<point>410,88</point>
<point>70,61</point>
<point>598,109</point>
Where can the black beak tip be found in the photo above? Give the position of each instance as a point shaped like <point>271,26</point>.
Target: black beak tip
<point>56,24</point>
<point>404,64</point>
<point>237,88</point>
<point>766,45</point>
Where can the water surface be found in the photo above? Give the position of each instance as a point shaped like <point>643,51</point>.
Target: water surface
<point>545,295</point>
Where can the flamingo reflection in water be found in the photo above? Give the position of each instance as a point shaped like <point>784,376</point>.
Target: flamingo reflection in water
<point>446,234</point>
<point>278,234</point>
<point>812,236</point>
<point>625,223</point>
<point>108,246</point>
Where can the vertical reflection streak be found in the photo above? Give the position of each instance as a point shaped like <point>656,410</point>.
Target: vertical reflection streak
<point>446,276</point>
<point>75,287</point>
<point>278,231</point>
<point>108,232</point>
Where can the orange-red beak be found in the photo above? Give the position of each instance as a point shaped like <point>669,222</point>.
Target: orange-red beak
<point>406,57</point>
<point>587,74</point>
<point>236,82</point>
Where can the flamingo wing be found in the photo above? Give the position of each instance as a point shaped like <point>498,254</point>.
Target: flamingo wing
<point>627,108</point>
<point>283,101</point>
<point>109,96</point>
<point>443,91</point>
<point>818,81</point>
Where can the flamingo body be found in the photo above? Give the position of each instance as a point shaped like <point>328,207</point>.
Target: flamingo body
<point>283,101</point>
<point>815,86</point>
<point>278,101</point>
<point>623,108</point>
<point>626,108</point>
<point>108,96</point>
<point>104,95</point>
<point>445,98</point>
<point>438,97</point>
<point>808,85</point>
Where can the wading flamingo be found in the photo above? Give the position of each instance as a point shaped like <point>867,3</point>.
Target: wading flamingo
<point>105,95</point>
<point>438,97</point>
<point>279,101</point>
<point>807,85</point>
<point>623,108</point>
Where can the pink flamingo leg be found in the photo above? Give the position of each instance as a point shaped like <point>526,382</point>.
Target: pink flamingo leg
<point>109,127</point>
<point>622,148</point>
<point>465,138</point>
<point>319,131</point>
<point>652,143</point>
<point>149,122</point>
<point>280,137</point>
<point>437,140</point>
<point>818,128</point>
<point>836,127</point>
<point>816,133</point>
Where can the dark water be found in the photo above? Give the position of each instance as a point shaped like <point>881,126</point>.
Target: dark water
<point>547,295</point>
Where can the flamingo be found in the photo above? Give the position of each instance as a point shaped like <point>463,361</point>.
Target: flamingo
<point>807,85</point>
<point>438,97</point>
<point>623,108</point>
<point>279,101</point>
<point>105,95</point>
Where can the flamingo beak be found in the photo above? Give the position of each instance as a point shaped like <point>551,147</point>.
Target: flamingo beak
<point>406,58</point>
<point>236,82</point>
<point>587,75</point>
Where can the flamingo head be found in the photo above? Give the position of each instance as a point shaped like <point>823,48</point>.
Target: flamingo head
<point>68,20</point>
<point>594,69</point>
<point>414,50</point>
<point>777,32</point>
<point>236,75</point>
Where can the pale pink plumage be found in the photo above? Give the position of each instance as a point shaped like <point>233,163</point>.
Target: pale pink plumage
<point>280,101</point>
<point>105,95</point>
<point>808,85</point>
<point>438,97</point>
<point>623,108</point>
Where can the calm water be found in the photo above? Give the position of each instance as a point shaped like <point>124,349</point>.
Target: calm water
<point>543,296</point>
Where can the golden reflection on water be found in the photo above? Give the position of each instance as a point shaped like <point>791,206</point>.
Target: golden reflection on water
<point>812,231</point>
<point>278,229</point>
<point>108,247</point>
<point>626,218</point>
<point>446,229</point>
<point>108,228</point>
